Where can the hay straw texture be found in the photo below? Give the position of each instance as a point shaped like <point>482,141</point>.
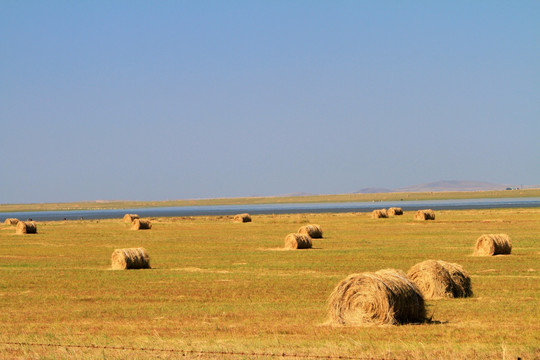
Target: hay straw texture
<point>128,218</point>
<point>384,297</point>
<point>23,227</point>
<point>493,244</point>
<point>11,221</point>
<point>141,224</point>
<point>314,231</point>
<point>133,258</point>
<point>297,241</point>
<point>242,218</point>
<point>440,279</point>
<point>393,211</point>
<point>381,213</point>
<point>426,214</point>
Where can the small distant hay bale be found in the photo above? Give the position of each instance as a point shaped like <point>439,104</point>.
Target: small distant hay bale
<point>314,231</point>
<point>493,244</point>
<point>298,241</point>
<point>11,221</point>
<point>380,213</point>
<point>133,258</point>
<point>128,218</point>
<point>393,211</point>
<point>383,297</point>
<point>26,227</point>
<point>426,214</point>
<point>242,218</point>
<point>440,279</point>
<point>141,224</point>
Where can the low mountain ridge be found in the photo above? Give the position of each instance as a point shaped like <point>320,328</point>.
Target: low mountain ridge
<point>454,185</point>
<point>373,190</point>
<point>443,185</point>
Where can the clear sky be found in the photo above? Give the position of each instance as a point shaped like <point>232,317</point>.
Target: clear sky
<point>156,100</point>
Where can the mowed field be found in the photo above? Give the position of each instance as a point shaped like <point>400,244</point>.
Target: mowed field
<point>218,286</point>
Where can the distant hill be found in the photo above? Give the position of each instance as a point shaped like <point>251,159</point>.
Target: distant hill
<point>454,185</point>
<point>372,190</point>
<point>444,185</point>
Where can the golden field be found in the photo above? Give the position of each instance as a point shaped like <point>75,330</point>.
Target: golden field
<point>218,286</point>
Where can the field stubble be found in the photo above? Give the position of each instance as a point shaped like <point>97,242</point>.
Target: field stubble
<point>216,285</point>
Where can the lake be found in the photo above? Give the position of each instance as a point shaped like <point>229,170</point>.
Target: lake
<point>295,208</point>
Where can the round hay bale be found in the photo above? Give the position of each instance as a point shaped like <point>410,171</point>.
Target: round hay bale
<point>297,241</point>
<point>439,279</point>
<point>426,214</point>
<point>384,297</point>
<point>393,211</point>
<point>133,258</point>
<point>314,231</point>
<point>493,244</point>
<point>461,279</point>
<point>26,227</point>
<point>141,224</point>
<point>11,221</point>
<point>242,218</point>
<point>379,214</point>
<point>128,218</point>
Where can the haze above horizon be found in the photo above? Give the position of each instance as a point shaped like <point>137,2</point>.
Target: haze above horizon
<point>140,100</point>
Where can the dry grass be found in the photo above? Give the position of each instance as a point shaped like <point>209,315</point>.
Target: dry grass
<point>298,241</point>
<point>214,287</point>
<point>128,218</point>
<point>133,258</point>
<point>242,218</point>
<point>26,227</point>
<point>385,297</point>
<point>141,224</point>
<point>493,244</point>
<point>314,231</point>
<point>11,221</point>
<point>438,279</point>
<point>426,214</point>
<point>379,214</point>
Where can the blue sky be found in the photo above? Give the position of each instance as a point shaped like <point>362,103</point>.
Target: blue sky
<point>156,100</point>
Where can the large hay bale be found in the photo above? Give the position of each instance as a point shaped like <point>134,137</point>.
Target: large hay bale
<point>384,297</point>
<point>26,227</point>
<point>314,231</point>
<point>380,213</point>
<point>141,224</point>
<point>128,218</point>
<point>242,218</point>
<point>439,279</point>
<point>393,211</point>
<point>493,244</point>
<point>297,241</point>
<point>11,221</point>
<point>133,258</point>
<point>461,278</point>
<point>426,214</point>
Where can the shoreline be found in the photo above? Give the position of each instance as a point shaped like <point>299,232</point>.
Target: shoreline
<point>276,208</point>
<point>336,198</point>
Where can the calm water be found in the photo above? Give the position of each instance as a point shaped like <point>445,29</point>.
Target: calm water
<point>277,209</point>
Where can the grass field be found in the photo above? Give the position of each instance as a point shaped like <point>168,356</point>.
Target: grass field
<point>223,286</point>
